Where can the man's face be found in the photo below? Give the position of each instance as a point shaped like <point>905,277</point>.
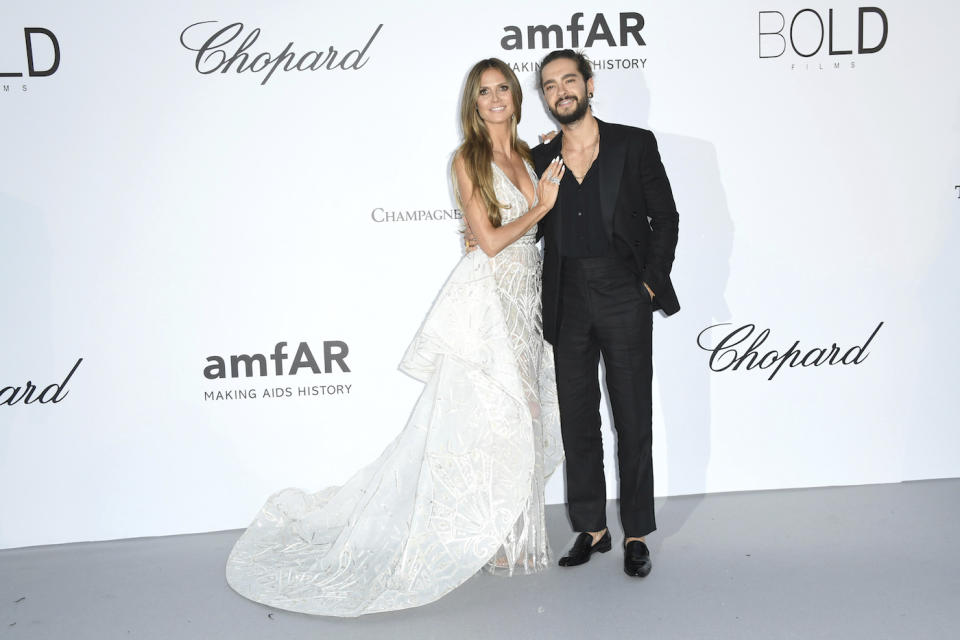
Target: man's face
<point>564,90</point>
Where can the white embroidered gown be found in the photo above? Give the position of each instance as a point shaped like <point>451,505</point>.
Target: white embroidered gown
<point>461,487</point>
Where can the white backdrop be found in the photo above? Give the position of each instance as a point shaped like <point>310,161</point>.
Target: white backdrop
<point>153,216</point>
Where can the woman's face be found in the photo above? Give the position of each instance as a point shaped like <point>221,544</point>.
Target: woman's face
<point>495,100</point>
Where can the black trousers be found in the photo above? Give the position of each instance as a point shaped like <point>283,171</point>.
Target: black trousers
<point>605,309</point>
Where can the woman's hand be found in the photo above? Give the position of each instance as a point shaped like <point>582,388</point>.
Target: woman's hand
<point>549,184</point>
<point>547,137</point>
<point>469,239</point>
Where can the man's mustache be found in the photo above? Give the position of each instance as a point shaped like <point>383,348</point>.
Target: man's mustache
<point>556,105</point>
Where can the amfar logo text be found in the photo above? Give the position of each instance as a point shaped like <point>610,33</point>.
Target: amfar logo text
<point>223,49</point>
<point>807,32</point>
<point>32,71</point>
<point>334,351</point>
<point>551,36</point>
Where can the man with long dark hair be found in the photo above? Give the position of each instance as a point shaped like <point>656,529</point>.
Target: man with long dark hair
<point>609,247</point>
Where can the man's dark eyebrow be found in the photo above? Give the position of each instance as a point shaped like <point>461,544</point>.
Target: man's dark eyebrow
<point>564,77</point>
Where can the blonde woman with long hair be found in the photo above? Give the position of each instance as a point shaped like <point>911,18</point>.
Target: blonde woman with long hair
<point>491,150</point>
<point>461,487</point>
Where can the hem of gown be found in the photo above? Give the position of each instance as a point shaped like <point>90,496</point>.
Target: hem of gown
<point>479,564</point>
<point>423,363</point>
<point>368,611</point>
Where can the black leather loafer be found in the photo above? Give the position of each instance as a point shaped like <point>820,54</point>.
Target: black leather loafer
<point>583,548</point>
<point>636,559</point>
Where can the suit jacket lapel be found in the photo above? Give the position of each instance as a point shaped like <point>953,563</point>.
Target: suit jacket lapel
<point>611,157</point>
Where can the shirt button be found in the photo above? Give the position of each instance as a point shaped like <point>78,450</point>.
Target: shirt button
<point>579,213</point>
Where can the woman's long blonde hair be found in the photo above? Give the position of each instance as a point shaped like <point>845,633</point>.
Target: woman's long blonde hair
<point>477,148</point>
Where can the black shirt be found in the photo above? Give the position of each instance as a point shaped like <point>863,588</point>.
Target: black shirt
<point>584,234</point>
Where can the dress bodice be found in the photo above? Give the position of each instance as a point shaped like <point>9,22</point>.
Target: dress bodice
<point>509,194</point>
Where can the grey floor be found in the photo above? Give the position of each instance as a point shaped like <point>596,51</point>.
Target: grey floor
<point>873,562</point>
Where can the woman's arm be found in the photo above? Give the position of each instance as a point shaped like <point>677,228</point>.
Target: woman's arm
<point>492,240</point>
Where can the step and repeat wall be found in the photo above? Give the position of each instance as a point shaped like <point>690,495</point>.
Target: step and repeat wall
<point>222,222</point>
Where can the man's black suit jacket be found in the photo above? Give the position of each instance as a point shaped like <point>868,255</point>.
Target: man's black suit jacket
<point>638,211</point>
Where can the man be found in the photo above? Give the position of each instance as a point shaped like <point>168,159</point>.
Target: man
<point>608,249</point>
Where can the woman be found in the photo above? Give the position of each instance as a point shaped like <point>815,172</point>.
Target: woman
<point>461,487</point>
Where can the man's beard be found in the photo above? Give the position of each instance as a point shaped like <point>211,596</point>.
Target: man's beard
<point>573,116</point>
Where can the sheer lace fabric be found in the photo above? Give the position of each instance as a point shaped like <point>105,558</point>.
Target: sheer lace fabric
<point>461,487</point>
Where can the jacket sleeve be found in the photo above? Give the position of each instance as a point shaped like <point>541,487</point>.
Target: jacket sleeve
<point>662,212</point>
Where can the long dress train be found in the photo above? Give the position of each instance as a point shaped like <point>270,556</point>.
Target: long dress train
<point>461,487</point>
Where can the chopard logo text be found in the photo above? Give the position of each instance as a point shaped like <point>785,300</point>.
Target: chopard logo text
<point>736,349</point>
<point>224,50</point>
